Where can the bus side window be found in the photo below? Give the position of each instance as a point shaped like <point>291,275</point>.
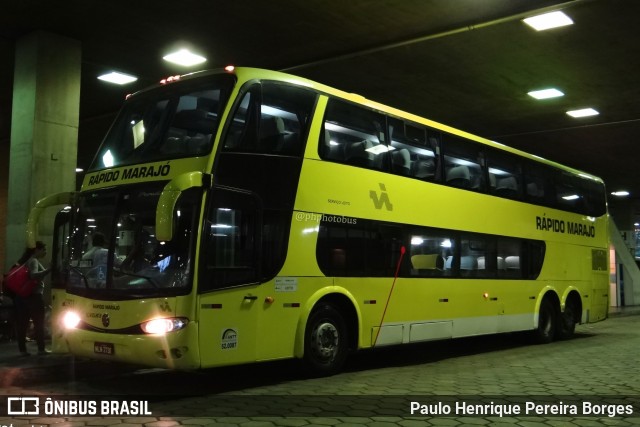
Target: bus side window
<point>285,112</point>
<point>271,119</point>
<point>353,135</point>
<point>463,164</point>
<point>504,175</point>
<point>231,245</point>
<point>431,253</point>
<point>509,251</point>
<point>411,151</point>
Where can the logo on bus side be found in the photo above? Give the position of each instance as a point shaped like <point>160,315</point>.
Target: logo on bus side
<point>229,339</point>
<point>382,199</point>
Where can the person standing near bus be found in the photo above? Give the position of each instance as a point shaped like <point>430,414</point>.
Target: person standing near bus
<point>32,306</point>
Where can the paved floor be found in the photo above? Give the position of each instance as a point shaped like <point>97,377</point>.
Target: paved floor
<point>458,383</point>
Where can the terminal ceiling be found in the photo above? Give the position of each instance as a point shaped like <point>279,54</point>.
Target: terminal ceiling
<point>465,63</point>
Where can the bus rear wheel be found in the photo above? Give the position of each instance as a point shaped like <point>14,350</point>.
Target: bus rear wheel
<point>547,322</point>
<point>326,341</point>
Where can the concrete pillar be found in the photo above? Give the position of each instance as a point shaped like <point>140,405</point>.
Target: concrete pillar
<point>44,131</point>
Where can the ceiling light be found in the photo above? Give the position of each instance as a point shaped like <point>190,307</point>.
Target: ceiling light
<point>545,93</point>
<point>622,193</point>
<point>117,78</point>
<point>585,112</point>
<point>547,21</point>
<point>184,57</point>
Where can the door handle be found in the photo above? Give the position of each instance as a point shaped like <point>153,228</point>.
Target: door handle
<point>251,297</point>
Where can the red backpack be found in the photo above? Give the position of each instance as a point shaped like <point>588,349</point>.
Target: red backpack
<point>19,281</point>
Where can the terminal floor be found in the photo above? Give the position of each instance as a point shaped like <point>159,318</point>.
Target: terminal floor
<point>601,362</point>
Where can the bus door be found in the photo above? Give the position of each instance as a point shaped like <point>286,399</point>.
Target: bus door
<point>60,248</point>
<point>230,300</point>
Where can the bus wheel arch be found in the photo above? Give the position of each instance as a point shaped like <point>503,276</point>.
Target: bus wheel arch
<point>331,332</point>
<point>570,316</point>
<point>548,318</point>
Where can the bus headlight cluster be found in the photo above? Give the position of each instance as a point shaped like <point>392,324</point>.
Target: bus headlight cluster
<point>163,325</point>
<point>70,320</point>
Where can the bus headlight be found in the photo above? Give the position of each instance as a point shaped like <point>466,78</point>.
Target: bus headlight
<point>70,320</point>
<point>163,325</point>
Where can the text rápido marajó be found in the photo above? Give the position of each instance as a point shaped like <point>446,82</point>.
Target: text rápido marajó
<point>545,223</point>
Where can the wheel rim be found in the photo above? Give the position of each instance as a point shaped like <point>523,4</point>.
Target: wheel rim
<point>324,341</point>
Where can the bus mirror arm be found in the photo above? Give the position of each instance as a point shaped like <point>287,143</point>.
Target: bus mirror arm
<point>64,198</point>
<point>169,198</point>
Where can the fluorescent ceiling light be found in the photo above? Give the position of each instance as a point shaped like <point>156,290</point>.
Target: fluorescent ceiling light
<point>545,93</point>
<point>622,193</point>
<point>547,21</point>
<point>585,112</point>
<point>117,78</point>
<point>184,57</point>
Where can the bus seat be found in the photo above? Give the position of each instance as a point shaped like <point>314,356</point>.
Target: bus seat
<point>423,168</point>
<point>199,144</point>
<point>507,187</point>
<point>357,155</point>
<point>271,134</point>
<point>468,262</point>
<point>534,191</point>
<point>291,144</point>
<point>427,262</point>
<point>459,176</point>
<point>481,263</point>
<point>501,264</point>
<point>512,262</point>
<point>194,121</point>
<point>332,151</point>
<point>401,161</point>
<point>448,264</point>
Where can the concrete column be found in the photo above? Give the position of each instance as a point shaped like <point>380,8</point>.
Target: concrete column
<point>44,131</point>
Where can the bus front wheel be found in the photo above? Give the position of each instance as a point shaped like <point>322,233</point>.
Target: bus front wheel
<point>326,341</point>
<point>547,322</point>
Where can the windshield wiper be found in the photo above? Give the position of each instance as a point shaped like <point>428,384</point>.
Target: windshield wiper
<point>81,274</point>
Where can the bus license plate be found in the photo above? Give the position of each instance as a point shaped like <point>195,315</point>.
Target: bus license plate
<point>103,348</point>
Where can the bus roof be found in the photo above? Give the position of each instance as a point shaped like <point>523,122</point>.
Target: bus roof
<point>249,73</point>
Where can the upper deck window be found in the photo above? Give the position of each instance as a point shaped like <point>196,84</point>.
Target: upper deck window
<point>271,118</point>
<point>174,121</point>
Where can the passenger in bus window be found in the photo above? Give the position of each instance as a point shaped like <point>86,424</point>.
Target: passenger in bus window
<point>98,253</point>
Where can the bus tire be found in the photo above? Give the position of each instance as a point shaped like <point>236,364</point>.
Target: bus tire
<point>547,322</point>
<point>567,323</point>
<point>326,342</point>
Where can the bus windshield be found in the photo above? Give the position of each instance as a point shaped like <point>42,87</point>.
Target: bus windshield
<point>166,124</point>
<point>113,249</point>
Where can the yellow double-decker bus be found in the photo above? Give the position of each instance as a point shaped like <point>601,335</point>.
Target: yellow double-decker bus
<point>245,215</point>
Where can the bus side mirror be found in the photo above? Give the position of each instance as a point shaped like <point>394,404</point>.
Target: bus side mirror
<point>169,197</point>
